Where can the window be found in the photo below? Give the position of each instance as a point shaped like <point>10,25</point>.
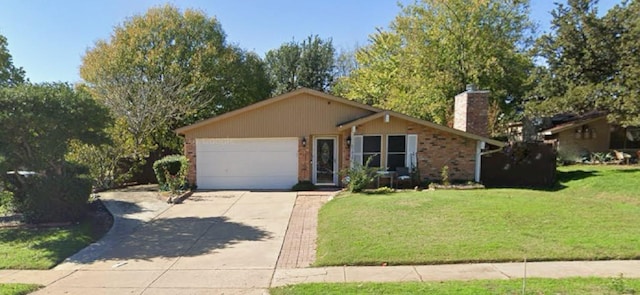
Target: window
<point>371,148</point>
<point>396,151</point>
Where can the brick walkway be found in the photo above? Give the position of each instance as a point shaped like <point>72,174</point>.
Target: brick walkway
<point>299,248</point>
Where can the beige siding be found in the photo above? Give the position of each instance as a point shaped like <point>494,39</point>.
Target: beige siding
<point>378,126</point>
<point>299,116</point>
<point>568,143</point>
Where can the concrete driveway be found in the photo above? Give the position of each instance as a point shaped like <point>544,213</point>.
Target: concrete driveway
<point>213,243</point>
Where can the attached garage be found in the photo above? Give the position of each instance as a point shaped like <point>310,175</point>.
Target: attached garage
<point>247,163</point>
<point>307,135</point>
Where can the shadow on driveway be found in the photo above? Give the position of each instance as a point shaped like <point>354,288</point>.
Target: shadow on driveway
<point>134,237</point>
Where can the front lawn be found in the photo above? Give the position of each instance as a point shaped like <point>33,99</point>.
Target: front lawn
<point>17,289</point>
<point>582,286</point>
<point>593,214</point>
<point>43,248</point>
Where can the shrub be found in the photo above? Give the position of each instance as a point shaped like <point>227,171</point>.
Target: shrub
<point>54,197</point>
<point>445,175</point>
<point>105,163</point>
<point>303,185</point>
<point>358,176</point>
<point>6,201</point>
<point>171,172</point>
<point>381,191</point>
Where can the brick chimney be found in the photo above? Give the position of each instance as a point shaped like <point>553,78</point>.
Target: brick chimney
<point>471,111</point>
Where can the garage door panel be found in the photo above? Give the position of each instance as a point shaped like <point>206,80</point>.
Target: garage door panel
<point>247,145</point>
<point>247,163</point>
<point>257,182</point>
<point>254,164</point>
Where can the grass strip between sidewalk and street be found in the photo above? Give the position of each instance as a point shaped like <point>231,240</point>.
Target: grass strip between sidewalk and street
<point>582,286</point>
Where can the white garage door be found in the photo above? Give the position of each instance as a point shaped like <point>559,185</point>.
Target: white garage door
<point>265,163</point>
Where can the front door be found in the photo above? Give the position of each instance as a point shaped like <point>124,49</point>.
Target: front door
<point>325,161</point>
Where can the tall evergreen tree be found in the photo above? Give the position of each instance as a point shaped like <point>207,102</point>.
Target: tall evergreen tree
<point>591,63</point>
<point>10,75</point>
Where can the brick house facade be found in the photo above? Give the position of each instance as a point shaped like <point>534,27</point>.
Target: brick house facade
<point>291,125</point>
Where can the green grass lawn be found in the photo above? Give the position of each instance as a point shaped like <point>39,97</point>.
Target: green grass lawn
<point>33,248</point>
<point>582,286</point>
<point>17,289</point>
<point>593,214</point>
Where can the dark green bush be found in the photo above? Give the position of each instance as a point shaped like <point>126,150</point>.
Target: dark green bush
<point>54,197</point>
<point>6,201</point>
<point>303,185</point>
<point>171,172</point>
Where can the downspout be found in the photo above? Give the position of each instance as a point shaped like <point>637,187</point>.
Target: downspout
<point>479,147</point>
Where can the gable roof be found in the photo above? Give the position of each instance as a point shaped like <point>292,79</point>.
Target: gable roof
<point>571,125</point>
<point>377,113</point>
<point>363,120</point>
<point>272,100</point>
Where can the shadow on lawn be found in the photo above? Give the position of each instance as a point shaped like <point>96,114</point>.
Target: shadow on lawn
<point>133,239</point>
<point>566,177</point>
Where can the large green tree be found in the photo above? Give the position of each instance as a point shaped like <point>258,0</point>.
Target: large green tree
<point>310,64</point>
<point>39,122</point>
<point>591,63</point>
<point>169,68</point>
<point>10,75</point>
<point>434,48</point>
<point>626,21</point>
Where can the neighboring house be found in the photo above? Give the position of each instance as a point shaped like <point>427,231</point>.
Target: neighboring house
<point>310,135</point>
<point>581,135</point>
<point>576,135</point>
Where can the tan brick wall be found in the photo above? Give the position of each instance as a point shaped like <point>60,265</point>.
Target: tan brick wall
<point>471,112</point>
<point>190,153</point>
<point>437,149</point>
<point>304,159</point>
<point>345,154</point>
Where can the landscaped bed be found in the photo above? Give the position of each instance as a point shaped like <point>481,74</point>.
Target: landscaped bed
<point>583,286</point>
<point>594,213</point>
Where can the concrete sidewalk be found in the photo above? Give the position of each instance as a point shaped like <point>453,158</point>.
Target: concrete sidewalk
<point>479,271</point>
<point>416,273</point>
<point>230,242</point>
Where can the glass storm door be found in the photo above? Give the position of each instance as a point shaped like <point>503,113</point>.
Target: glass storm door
<point>325,161</point>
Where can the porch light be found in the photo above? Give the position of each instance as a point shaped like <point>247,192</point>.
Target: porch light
<point>304,141</point>
<point>349,141</point>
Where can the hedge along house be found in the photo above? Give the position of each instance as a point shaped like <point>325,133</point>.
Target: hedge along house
<point>310,135</point>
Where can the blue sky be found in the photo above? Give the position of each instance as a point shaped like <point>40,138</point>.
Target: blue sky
<point>48,38</point>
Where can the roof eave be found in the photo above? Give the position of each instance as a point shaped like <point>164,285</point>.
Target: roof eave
<point>183,130</point>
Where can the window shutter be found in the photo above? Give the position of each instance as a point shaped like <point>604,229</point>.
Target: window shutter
<point>412,150</point>
<point>356,149</point>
